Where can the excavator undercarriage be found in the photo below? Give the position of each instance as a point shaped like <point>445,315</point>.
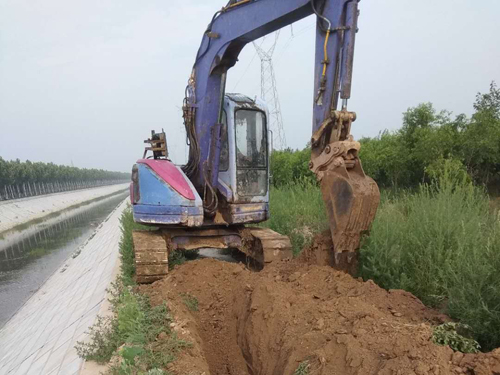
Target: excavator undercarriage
<point>152,248</point>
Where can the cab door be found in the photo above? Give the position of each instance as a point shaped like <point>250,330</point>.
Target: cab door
<point>251,154</point>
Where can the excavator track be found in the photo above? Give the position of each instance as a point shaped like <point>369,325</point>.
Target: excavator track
<point>150,256</point>
<point>152,248</point>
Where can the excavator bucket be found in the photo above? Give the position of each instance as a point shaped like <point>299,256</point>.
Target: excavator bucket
<point>351,200</point>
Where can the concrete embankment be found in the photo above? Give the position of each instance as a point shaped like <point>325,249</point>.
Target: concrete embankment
<point>40,338</point>
<point>22,211</point>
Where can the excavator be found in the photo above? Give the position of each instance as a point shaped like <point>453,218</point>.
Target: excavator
<point>224,186</point>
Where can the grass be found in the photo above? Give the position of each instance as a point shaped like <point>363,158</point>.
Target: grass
<point>137,339</point>
<point>130,336</point>
<point>302,369</point>
<point>126,247</point>
<point>441,242</point>
<point>297,211</point>
<point>190,301</point>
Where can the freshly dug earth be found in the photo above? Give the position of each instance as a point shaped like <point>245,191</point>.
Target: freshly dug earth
<point>269,322</point>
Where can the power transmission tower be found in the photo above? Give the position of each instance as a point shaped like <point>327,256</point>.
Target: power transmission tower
<point>269,93</point>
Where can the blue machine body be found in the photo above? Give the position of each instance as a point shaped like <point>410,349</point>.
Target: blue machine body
<point>155,201</point>
<point>162,194</point>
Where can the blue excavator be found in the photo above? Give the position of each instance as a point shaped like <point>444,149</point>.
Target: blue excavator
<point>225,183</point>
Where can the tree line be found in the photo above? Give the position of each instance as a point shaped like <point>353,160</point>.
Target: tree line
<point>418,151</point>
<point>16,172</point>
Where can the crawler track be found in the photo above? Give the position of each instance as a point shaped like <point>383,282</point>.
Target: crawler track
<point>151,248</point>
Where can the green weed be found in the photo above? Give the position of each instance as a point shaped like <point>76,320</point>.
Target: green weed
<point>103,341</point>
<point>297,211</point>
<point>126,246</point>
<point>190,301</point>
<point>178,257</point>
<point>132,335</point>
<point>302,369</point>
<point>441,243</point>
<point>38,252</point>
<point>456,336</point>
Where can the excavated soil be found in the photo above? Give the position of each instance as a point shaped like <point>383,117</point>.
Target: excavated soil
<point>269,322</point>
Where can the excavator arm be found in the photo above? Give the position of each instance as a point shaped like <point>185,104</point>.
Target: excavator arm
<point>351,198</point>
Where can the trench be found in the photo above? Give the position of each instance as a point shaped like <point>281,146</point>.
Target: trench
<point>230,325</point>
<point>28,257</point>
<point>232,345</point>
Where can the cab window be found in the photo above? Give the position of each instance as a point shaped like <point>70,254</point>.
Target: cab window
<point>251,139</point>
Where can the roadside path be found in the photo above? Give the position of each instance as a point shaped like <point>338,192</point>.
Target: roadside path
<point>40,338</point>
<point>20,211</point>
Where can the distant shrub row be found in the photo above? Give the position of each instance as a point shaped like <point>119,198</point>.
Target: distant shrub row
<point>16,172</point>
<point>416,152</point>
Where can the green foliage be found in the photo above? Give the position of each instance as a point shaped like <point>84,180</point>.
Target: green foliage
<point>291,167</point>
<point>190,301</point>
<point>410,155</point>
<point>302,369</point>
<point>127,246</point>
<point>134,327</point>
<point>103,342</point>
<point>441,243</point>
<point>178,257</point>
<point>448,170</point>
<point>15,172</point>
<point>456,336</point>
<point>297,211</point>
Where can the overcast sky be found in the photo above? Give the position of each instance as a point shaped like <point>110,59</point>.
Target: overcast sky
<point>84,82</point>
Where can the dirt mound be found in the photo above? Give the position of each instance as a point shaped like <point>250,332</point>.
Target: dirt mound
<point>270,322</point>
<point>320,252</point>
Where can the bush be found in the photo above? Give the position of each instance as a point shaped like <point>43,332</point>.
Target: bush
<point>409,156</point>
<point>297,211</point>
<point>291,167</point>
<point>455,335</point>
<point>441,243</point>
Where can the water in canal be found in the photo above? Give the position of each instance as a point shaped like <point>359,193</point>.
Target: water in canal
<point>30,256</point>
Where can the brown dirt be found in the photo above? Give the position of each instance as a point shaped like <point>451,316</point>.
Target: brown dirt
<point>268,322</point>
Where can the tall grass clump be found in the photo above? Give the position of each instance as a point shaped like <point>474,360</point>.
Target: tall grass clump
<point>441,243</point>
<point>297,211</point>
<point>127,226</point>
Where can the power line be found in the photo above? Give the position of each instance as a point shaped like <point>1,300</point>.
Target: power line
<point>245,71</point>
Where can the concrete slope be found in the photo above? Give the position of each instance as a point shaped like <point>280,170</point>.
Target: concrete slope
<point>21,211</point>
<point>40,338</point>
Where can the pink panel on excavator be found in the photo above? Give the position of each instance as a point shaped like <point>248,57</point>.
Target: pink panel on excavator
<point>171,175</point>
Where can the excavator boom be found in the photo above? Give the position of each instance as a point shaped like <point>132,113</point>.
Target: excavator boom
<point>351,198</point>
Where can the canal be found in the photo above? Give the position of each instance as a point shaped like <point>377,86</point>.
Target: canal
<point>30,254</point>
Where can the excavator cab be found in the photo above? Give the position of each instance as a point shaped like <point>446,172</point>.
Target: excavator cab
<point>162,194</point>
<point>244,160</point>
